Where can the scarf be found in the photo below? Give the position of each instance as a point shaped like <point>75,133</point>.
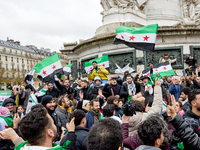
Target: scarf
<point>96,115</point>
<point>131,88</point>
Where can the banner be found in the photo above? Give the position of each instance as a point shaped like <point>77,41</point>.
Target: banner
<point>4,95</point>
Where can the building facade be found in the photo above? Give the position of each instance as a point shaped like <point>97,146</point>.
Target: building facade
<point>17,60</point>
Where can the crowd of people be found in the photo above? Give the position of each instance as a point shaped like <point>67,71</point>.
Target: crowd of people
<point>106,114</point>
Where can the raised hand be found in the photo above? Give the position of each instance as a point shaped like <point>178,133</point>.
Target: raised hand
<point>81,95</point>
<point>71,125</point>
<point>157,82</point>
<point>100,92</point>
<point>139,71</point>
<point>171,110</point>
<point>8,134</point>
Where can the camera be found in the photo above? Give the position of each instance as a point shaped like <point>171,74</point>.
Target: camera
<point>128,109</point>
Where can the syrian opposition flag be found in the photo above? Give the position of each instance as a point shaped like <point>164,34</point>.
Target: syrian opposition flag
<point>142,38</point>
<point>101,61</point>
<point>32,101</point>
<point>42,92</point>
<point>48,68</point>
<point>67,69</point>
<point>5,122</point>
<point>165,69</point>
<point>29,76</point>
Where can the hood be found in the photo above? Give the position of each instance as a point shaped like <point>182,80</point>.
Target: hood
<point>190,114</point>
<point>97,78</point>
<point>145,147</point>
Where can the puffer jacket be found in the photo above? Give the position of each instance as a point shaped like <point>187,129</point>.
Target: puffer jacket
<point>193,120</point>
<point>135,120</point>
<point>102,73</point>
<point>62,116</point>
<point>190,139</point>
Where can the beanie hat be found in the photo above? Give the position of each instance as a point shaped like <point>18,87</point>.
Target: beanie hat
<point>7,101</point>
<point>85,102</point>
<point>46,99</point>
<point>4,111</point>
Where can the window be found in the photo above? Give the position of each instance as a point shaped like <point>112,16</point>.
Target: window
<point>11,59</point>
<point>18,67</point>
<point>10,50</point>
<point>22,60</point>
<point>22,68</point>
<point>4,49</point>
<point>6,66</point>
<point>27,61</point>
<point>0,57</point>
<point>15,52</point>
<point>6,58</point>
<point>12,67</point>
<point>28,68</point>
<point>17,59</point>
<point>21,53</point>
<point>7,75</point>
<point>31,62</point>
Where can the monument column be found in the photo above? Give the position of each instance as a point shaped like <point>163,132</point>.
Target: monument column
<point>164,12</point>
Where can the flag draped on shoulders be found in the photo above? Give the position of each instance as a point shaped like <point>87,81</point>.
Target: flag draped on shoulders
<point>142,38</point>
<point>101,61</point>
<point>48,67</point>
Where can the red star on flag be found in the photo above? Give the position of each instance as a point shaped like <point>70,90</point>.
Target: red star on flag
<point>156,70</point>
<point>148,74</point>
<point>146,38</point>
<point>44,72</point>
<point>122,36</point>
<point>90,68</point>
<point>103,65</point>
<point>2,98</point>
<point>131,38</point>
<point>54,67</point>
<point>165,68</point>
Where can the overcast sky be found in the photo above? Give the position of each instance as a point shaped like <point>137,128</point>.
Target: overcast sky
<point>49,23</point>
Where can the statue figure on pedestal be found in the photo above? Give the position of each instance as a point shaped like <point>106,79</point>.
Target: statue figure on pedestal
<point>191,11</point>
<point>134,4</point>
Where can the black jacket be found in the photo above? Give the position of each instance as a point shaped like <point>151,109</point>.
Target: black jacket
<point>190,139</point>
<point>124,91</point>
<point>108,92</point>
<point>54,93</point>
<point>193,120</point>
<point>82,136</point>
<point>84,91</point>
<point>93,91</point>
<point>63,89</point>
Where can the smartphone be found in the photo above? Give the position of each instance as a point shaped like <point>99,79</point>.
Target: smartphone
<point>17,89</point>
<point>169,101</point>
<point>14,110</point>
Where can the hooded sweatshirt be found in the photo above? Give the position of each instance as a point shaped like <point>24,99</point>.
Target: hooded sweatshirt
<point>145,147</point>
